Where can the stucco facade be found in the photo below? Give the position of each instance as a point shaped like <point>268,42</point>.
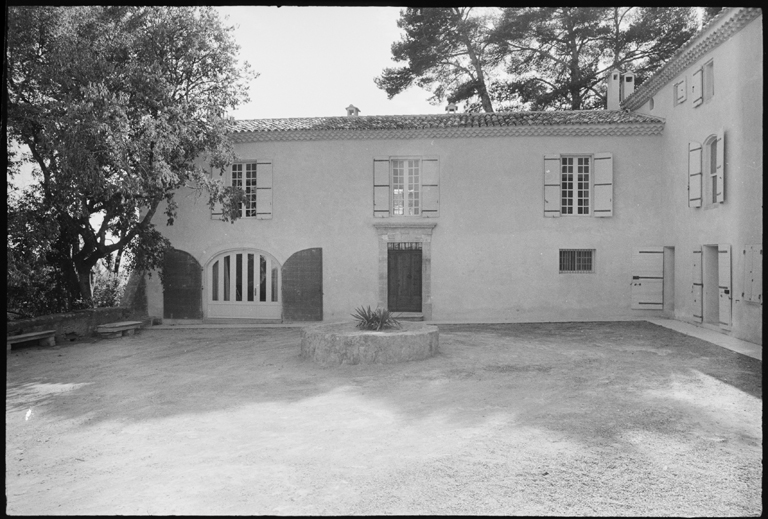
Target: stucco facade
<point>489,241</point>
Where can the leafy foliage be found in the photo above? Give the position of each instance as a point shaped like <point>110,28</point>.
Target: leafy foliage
<point>108,287</point>
<point>557,57</point>
<point>446,50</point>
<point>378,319</point>
<point>114,105</point>
<point>537,58</point>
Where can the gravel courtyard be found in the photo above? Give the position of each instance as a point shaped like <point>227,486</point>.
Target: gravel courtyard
<point>609,419</point>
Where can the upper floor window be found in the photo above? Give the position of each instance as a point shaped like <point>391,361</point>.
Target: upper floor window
<point>255,179</point>
<point>703,83</point>
<point>578,185</point>
<point>679,91</point>
<point>706,171</point>
<point>575,185</point>
<point>406,186</point>
<point>244,177</point>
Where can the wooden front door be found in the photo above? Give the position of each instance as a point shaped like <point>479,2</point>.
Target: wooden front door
<point>404,277</point>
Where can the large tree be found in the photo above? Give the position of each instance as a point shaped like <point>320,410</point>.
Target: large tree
<point>445,50</point>
<point>557,57</point>
<point>113,106</point>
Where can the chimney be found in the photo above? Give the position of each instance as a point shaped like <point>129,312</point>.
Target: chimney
<point>621,85</point>
<point>451,108</point>
<point>627,85</point>
<point>614,89</point>
<point>352,111</point>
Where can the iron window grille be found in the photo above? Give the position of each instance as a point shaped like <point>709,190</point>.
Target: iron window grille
<point>577,261</point>
<point>404,246</point>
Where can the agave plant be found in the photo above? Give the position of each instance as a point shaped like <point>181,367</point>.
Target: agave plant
<point>378,319</point>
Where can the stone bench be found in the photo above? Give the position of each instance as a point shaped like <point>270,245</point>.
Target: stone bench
<point>120,329</point>
<point>43,338</point>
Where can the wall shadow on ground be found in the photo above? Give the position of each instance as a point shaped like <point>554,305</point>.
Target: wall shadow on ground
<point>523,369</point>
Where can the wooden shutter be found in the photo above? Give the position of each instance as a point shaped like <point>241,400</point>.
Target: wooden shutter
<point>648,278</point>
<point>753,274</point>
<point>552,192</point>
<point>430,187</point>
<point>217,213</point>
<point>697,89</point>
<point>720,186</point>
<point>694,174</point>
<point>724,283</point>
<point>697,288</point>
<point>381,189</point>
<point>680,91</point>
<point>603,206</point>
<point>264,190</point>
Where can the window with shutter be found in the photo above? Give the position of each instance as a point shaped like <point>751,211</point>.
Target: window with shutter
<point>697,88</point>
<point>254,178</point>
<point>680,91</point>
<point>694,174</point>
<point>578,185</point>
<point>719,183</point>
<point>407,186</point>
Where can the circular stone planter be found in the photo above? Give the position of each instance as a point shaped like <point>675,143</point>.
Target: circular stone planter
<point>343,343</point>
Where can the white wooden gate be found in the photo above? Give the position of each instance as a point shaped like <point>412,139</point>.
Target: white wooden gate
<point>243,284</point>
<point>648,278</point>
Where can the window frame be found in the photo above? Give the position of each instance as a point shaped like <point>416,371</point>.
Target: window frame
<point>576,261</point>
<point>590,187</point>
<point>249,190</point>
<point>406,177</point>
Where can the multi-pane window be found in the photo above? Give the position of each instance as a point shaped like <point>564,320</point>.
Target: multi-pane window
<point>244,177</point>
<point>577,261</point>
<point>406,187</point>
<point>575,181</point>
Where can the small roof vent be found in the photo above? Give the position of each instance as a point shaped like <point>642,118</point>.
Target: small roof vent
<point>352,111</point>
<point>451,108</point>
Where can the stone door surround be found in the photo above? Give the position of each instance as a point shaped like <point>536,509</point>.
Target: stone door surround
<point>399,232</point>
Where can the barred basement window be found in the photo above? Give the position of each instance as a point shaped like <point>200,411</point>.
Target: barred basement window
<point>579,261</point>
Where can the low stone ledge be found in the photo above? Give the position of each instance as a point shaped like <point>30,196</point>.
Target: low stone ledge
<point>333,344</point>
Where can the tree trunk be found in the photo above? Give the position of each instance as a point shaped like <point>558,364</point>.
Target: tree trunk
<point>84,284</point>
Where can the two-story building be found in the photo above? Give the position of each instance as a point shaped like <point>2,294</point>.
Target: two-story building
<point>650,208</point>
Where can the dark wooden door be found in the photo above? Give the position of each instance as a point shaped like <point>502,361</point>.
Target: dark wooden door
<point>303,286</point>
<point>404,280</point>
<point>182,286</point>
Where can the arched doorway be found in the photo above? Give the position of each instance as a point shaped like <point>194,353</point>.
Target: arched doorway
<point>243,284</point>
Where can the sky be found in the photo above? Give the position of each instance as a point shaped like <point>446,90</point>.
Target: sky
<point>316,61</point>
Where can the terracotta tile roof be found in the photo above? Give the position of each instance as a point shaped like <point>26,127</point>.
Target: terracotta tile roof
<point>447,121</point>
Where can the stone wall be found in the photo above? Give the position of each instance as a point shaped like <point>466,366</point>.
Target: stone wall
<point>71,325</point>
